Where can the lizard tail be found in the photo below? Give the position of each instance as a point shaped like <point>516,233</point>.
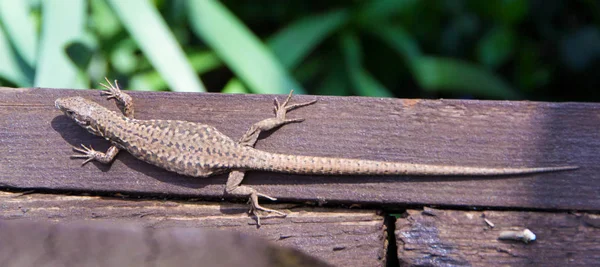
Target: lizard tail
<point>341,166</point>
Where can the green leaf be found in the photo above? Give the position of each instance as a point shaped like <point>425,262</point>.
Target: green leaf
<point>204,61</point>
<point>150,81</point>
<point>241,50</point>
<point>234,86</point>
<point>11,66</point>
<point>513,11</point>
<point>455,76</point>
<point>309,70</point>
<point>530,70</point>
<point>441,74</point>
<point>363,83</point>
<point>399,40</point>
<point>496,47</point>
<point>105,23</point>
<point>293,43</point>
<point>158,43</point>
<point>80,53</point>
<point>334,83</point>
<point>376,11</point>
<point>59,29</point>
<point>20,29</point>
<point>508,12</point>
<point>335,80</point>
<point>201,62</point>
<point>123,56</point>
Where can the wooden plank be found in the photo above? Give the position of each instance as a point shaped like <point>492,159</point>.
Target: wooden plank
<point>36,142</point>
<point>338,236</point>
<point>26,243</point>
<point>452,237</point>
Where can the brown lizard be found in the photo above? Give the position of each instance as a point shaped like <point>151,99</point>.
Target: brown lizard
<point>200,150</point>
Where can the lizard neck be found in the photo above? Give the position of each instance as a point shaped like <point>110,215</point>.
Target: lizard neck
<point>106,123</point>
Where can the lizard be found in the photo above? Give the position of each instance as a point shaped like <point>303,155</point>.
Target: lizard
<point>200,150</point>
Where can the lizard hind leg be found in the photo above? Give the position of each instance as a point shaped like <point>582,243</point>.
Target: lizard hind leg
<point>233,187</point>
<point>249,139</point>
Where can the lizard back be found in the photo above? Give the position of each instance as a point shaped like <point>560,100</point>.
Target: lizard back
<point>188,148</point>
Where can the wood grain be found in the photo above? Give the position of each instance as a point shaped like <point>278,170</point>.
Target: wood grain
<point>340,237</point>
<point>462,238</point>
<point>36,139</point>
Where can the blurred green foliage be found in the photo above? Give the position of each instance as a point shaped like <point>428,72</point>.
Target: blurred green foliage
<point>493,49</point>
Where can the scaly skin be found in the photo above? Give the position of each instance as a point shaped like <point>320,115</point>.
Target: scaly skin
<point>200,150</point>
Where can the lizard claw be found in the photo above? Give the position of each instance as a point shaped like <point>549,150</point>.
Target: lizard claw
<point>287,107</point>
<point>88,153</point>
<point>282,108</point>
<point>113,90</point>
<point>255,208</point>
<point>123,100</point>
<point>265,196</point>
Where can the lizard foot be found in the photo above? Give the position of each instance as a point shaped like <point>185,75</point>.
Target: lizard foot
<point>124,101</point>
<point>283,108</point>
<point>255,208</point>
<point>89,154</point>
<point>113,90</point>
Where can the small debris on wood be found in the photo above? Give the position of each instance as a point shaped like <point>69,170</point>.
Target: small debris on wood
<point>429,211</point>
<point>525,235</point>
<point>489,223</point>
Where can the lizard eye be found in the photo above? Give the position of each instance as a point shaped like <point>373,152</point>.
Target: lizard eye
<point>70,113</point>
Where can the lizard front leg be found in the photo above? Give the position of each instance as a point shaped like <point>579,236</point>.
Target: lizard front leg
<point>251,136</point>
<point>249,139</point>
<point>125,104</point>
<point>123,100</point>
<point>90,154</point>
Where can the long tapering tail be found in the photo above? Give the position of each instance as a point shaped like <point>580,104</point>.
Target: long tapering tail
<point>341,166</point>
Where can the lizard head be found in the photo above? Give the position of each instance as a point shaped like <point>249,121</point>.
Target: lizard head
<point>83,111</point>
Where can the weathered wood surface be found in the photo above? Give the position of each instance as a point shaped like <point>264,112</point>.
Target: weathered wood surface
<point>463,238</point>
<point>340,237</point>
<point>27,243</point>
<point>36,141</point>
